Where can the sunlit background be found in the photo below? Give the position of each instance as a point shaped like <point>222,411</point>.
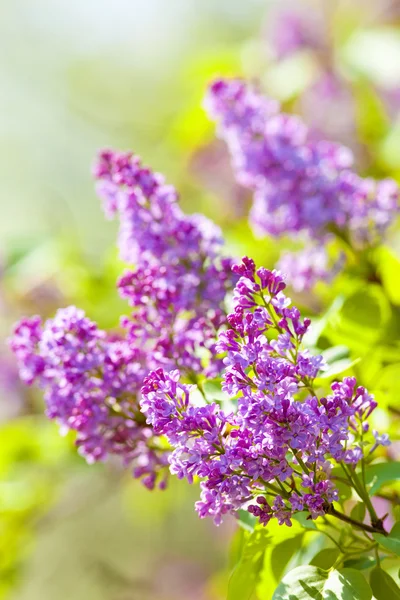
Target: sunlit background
<point>80,75</point>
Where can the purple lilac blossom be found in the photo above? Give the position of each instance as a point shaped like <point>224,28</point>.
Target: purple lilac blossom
<point>91,384</point>
<point>177,289</point>
<point>180,280</point>
<point>299,185</point>
<point>275,454</point>
<point>152,226</point>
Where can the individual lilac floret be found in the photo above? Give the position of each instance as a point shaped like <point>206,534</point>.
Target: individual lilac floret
<point>299,184</point>
<point>91,383</point>
<point>274,455</point>
<point>380,440</point>
<point>178,286</point>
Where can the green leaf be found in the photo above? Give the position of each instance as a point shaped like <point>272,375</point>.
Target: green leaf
<point>236,547</point>
<point>380,474</point>
<point>338,367</point>
<point>344,489</point>
<point>245,576</point>
<point>312,336</point>
<point>392,541</point>
<point>371,117</point>
<point>325,558</point>
<point>359,323</point>
<point>365,308</point>
<point>308,582</point>
<point>246,520</point>
<point>335,353</point>
<point>387,378</point>
<point>305,521</point>
<point>284,543</point>
<point>365,562</point>
<point>358,512</point>
<point>389,270</point>
<point>383,586</point>
<point>213,390</point>
<point>282,553</point>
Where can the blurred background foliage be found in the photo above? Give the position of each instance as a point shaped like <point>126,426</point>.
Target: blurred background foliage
<point>77,76</point>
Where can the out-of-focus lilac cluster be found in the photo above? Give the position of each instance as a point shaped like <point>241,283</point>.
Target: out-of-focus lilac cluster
<point>92,379</point>
<point>301,186</point>
<point>178,286</point>
<point>91,383</point>
<point>275,454</point>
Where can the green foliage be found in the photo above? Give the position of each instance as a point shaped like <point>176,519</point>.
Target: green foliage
<point>260,558</point>
<point>380,474</point>
<point>388,265</point>
<point>366,562</point>
<point>32,459</point>
<point>358,512</point>
<point>326,558</point>
<point>383,586</point>
<point>283,545</point>
<point>304,519</point>
<point>282,553</point>
<point>392,541</point>
<point>246,520</point>
<point>246,573</point>
<point>344,488</point>
<point>306,583</point>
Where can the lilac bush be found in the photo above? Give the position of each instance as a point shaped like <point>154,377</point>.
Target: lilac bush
<point>280,442</point>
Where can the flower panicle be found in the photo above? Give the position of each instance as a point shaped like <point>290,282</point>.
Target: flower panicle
<point>302,187</point>
<point>91,383</point>
<point>274,455</point>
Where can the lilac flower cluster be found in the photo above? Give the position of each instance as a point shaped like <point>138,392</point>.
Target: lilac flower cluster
<point>299,185</point>
<point>92,379</point>
<point>274,455</point>
<point>302,187</point>
<point>91,383</point>
<point>180,280</point>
